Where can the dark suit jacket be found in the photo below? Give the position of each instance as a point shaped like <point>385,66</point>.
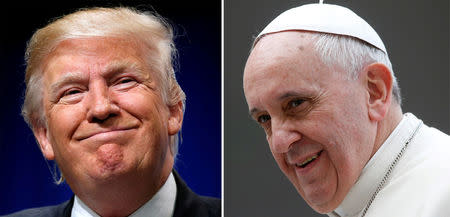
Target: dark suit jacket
<point>187,204</point>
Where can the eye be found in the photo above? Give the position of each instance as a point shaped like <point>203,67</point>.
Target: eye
<point>295,103</point>
<point>125,83</point>
<point>262,119</point>
<point>125,80</point>
<point>71,92</point>
<point>71,95</point>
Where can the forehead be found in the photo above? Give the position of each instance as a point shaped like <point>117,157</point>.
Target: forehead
<point>88,55</point>
<point>74,54</point>
<point>281,63</point>
<point>276,54</point>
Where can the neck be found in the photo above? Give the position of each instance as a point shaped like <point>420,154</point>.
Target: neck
<point>387,125</point>
<point>123,196</point>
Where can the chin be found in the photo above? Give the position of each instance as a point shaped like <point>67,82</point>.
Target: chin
<point>104,173</point>
<point>323,209</point>
<point>322,201</point>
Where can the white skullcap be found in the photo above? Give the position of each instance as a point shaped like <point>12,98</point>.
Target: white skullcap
<point>325,18</point>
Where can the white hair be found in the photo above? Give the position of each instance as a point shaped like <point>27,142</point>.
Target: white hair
<point>349,53</point>
<point>353,55</point>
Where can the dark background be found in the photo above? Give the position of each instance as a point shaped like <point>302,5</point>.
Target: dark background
<point>25,179</point>
<point>416,35</point>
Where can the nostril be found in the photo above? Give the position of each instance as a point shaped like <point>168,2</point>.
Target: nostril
<point>102,109</point>
<point>101,119</point>
<point>96,120</point>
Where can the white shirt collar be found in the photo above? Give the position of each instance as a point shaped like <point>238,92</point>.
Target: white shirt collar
<point>372,174</point>
<point>162,203</point>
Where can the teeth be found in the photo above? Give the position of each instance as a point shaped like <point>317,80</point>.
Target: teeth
<point>307,160</point>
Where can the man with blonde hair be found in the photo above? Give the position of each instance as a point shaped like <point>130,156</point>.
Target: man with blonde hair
<point>102,101</point>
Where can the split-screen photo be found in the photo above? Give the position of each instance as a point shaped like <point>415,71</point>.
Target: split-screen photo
<point>225,108</point>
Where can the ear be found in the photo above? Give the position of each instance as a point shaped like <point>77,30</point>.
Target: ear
<point>175,118</point>
<point>379,89</point>
<point>44,143</point>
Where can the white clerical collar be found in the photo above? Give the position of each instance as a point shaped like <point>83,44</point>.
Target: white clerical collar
<point>359,195</point>
<point>162,203</point>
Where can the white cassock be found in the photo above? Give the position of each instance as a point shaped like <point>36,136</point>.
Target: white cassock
<point>419,184</point>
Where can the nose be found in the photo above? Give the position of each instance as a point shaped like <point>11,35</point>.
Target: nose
<point>101,107</point>
<point>284,134</point>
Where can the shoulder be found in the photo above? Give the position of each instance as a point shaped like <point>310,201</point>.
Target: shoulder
<point>195,205</point>
<point>418,186</point>
<point>425,164</point>
<point>427,154</point>
<point>211,205</point>
<point>59,210</point>
<point>189,204</point>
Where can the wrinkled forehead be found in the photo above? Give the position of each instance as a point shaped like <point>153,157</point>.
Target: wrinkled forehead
<point>105,47</point>
<point>284,63</point>
<point>97,54</point>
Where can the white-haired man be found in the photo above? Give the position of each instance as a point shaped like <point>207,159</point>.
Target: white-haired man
<point>103,102</point>
<point>320,83</point>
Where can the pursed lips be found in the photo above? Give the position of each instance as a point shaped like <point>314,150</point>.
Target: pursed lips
<point>85,134</point>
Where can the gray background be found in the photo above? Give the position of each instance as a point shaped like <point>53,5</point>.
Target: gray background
<point>416,34</point>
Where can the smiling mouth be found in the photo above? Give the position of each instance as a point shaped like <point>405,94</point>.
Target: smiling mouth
<point>309,160</point>
<point>102,133</point>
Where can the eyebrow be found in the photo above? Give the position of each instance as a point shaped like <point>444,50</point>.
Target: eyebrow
<point>290,94</point>
<point>281,98</point>
<point>112,68</point>
<point>253,111</point>
<point>69,77</point>
<point>121,66</point>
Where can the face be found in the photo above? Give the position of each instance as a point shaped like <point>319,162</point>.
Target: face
<point>315,119</point>
<point>105,116</point>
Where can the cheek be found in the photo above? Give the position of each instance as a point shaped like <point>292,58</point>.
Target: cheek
<point>63,120</point>
<point>340,132</point>
<point>148,109</point>
<point>349,148</point>
<point>343,146</point>
<point>142,103</point>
